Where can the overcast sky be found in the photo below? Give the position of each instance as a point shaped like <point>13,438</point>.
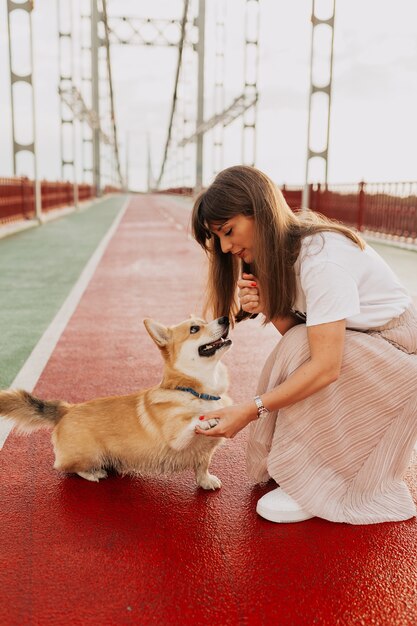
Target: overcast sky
<point>373,124</point>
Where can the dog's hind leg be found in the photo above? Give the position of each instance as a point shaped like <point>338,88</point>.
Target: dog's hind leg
<point>94,476</point>
<point>86,469</point>
<point>86,463</point>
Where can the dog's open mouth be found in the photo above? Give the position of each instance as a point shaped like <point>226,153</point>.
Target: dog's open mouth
<point>208,349</point>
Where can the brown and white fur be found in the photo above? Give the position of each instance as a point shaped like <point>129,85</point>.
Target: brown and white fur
<point>148,432</point>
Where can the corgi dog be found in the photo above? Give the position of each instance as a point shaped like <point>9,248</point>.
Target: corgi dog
<point>149,432</point>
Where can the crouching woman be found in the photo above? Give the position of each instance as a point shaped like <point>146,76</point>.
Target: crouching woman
<point>334,421</point>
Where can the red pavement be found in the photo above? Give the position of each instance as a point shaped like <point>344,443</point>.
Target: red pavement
<point>159,550</point>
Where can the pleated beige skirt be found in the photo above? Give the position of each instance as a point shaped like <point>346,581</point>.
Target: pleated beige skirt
<point>342,452</point>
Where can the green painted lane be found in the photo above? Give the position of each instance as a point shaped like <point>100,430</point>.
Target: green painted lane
<point>38,268</point>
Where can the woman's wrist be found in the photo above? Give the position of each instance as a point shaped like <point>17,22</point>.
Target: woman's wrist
<point>251,411</point>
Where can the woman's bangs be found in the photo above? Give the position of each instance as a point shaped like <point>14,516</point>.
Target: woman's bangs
<point>206,215</point>
<point>200,228</point>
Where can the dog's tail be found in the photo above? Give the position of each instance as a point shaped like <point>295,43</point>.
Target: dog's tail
<point>29,413</point>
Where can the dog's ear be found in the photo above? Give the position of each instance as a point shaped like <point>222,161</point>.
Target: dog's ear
<point>158,332</point>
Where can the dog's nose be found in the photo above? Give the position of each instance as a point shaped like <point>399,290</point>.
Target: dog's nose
<point>223,321</point>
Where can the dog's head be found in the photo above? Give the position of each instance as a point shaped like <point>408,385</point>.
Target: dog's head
<point>193,345</point>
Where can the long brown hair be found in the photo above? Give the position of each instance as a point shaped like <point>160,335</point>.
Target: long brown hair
<point>244,190</point>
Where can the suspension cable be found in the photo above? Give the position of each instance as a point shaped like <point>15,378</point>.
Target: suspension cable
<point>174,98</point>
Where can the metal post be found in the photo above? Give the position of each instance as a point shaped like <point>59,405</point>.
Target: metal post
<point>218,93</point>
<point>66,83</point>
<point>95,97</point>
<point>38,189</point>
<point>200,93</point>
<point>361,206</point>
<point>27,78</point>
<point>127,164</point>
<point>188,104</point>
<point>326,89</point>
<point>251,66</point>
<point>86,160</point>
<point>9,10</point>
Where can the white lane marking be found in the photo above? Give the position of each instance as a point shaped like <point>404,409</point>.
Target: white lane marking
<point>37,360</point>
<point>171,219</point>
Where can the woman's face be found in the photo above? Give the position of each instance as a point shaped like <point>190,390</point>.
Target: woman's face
<point>236,236</point>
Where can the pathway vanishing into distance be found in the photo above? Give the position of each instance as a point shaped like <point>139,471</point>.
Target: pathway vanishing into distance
<point>158,550</point>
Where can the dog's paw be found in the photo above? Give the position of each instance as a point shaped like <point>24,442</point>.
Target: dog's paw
<point>210,481</point>
<point>94,476</point>
<point>207,424</point>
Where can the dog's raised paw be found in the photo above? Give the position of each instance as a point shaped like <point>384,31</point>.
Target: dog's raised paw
<point>207,424</point>
<point>210,482</point>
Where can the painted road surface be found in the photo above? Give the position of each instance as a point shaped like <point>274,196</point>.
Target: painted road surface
<point>159,550</point>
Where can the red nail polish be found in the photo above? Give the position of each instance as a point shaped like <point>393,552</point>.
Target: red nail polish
<point>253,285</point>
<point>201,417</point>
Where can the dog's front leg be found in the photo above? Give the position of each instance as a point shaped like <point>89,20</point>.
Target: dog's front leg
<point>185,437</point>
<point>203,477</point>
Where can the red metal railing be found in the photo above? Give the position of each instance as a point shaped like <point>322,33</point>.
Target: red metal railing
<point>178,191</point>
<point>388,208</point>
<point>17,197</point>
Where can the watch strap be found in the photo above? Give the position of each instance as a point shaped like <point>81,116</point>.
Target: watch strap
<point>261,409</point>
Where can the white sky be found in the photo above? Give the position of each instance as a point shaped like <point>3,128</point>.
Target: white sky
<point>373,124</point>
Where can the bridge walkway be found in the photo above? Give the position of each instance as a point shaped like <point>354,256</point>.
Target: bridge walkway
<point>158,550</point>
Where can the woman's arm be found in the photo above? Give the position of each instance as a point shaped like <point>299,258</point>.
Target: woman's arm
<point>326,343</point>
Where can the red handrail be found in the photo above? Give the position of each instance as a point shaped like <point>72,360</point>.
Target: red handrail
<point>17,197</point>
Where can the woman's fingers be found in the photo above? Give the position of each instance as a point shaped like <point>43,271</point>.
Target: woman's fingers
<point>249,299</point>
<point>252,307</point>
<point>247,281</point>
<point>247,292</point>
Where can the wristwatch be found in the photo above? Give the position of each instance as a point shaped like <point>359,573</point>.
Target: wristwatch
<point>262,410</point>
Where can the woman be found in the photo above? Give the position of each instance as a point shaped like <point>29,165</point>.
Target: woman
<point>334,420</point>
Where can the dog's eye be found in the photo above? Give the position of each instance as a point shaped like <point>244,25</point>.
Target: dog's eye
<point>194,329</point>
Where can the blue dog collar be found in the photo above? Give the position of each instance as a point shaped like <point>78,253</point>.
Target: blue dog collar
<point>203,396</point>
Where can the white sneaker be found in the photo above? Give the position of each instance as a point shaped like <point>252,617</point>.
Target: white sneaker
<point>278,506</point>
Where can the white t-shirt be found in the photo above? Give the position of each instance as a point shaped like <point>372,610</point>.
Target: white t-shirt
<point>337,280</point>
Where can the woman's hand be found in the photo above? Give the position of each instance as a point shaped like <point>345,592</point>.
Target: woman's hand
<point>231,420</point>
<point>249,294</point>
